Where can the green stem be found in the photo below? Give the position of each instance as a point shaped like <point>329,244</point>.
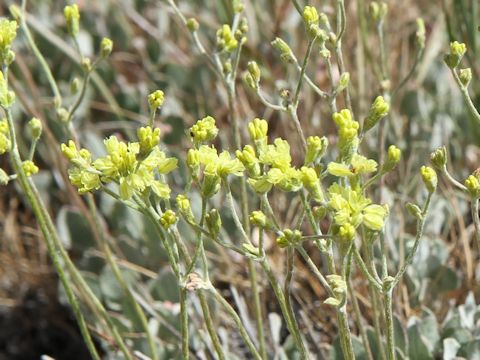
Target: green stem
<point>387,303</point>
<point>358,316</point>
<point>119,277</point>
<point>238,323</point>
<point>184,324</point>
<point>277,289</point>
<point>345,335</point>
<point>40,58</point>
<point>466,97</point>
<point>363,268</point>
<point>41,215</point>
<point>420,227</point>
<point>287,288</point>
<point>476,220</point>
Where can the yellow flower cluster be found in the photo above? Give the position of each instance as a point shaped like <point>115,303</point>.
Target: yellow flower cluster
<point>133,166</point>
<point>5,143</point>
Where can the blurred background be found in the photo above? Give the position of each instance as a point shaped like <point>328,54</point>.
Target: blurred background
<point>152,50</point>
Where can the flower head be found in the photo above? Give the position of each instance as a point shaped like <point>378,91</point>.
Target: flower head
<point>204,130</point>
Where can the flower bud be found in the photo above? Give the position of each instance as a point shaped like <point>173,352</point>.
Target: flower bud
<point>319,212</point>
<point>249,160</point>
<point>439,158</point>
<point>204,130</point>
<point>457,51</point>
<point>252,252</point>
<point>310,15</point>
<point>192,24</point>
<point>72,18</point>
<point>238,6</point>
<point>193,162</point>
<point>106,47</point>
<point>74,85</point>
<point>310,181</point>
<point>63,115</point>
<point>155,100</point>
<point>420,34</point>
<point>35,126</point>
<point>286,54</point>
<point>29,168</point>
<point>226,40</point>
<point>378,110</point>
<point>258,129</point>
<point>393,158</point>
<point>472,184</point>
<point>168,219</point>
<point>8,33</point>
<point>4,178</point>
<point>429,177</point>
<point>338,285</point>
<point>5,143</point>
<point>184,207</point>
<point>9,58</point>
<point>148,139</point>
<point>247,77</point>
<point>289,238</point>
<point>258,218</point>
<point>210,185</point>
<point>343,83</point>
<point>316,148</point>
<point>213,222</point>
<point>254,71</point>
<point>261,185</point>
<point>378,11</point>
<point>414,210</point>
<point>86,64</point>
<point>465,76</point>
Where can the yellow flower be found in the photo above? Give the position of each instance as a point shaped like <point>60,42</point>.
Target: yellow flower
<point>72,17</point>
<point>8,33</point>
<point>429,177</point>
<point>29,168</point>
<point>156,99</point>
<point>204,130</point>
<point>225,39</point>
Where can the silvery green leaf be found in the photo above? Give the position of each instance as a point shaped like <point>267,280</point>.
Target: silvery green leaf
<point>450,348</point>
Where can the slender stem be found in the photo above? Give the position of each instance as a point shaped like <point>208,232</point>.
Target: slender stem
<point>268,103</point>
<point>476,220</point>
<point>466,97</point>
<point>287,287</point>
<point>212,331</point>
<point>238,323</point>
<point>184,324</point>
<point>418,56</point>
<point>33,146</point>
<point>420,226</point>
<point>41,215</point>
<point>302,71</point>
<point>358,316</point>
<point>203,300</point>
<point>387,303</point>
<point>40,58</point>
<point>296,121</point>
<point>257,307</point>
<point>119,277</point>
<point>80,96</point>
<point>345,335</point>
<point>363,268</point>
<point>314,269</point>
<point>453,181</point>
<point>277,289</point>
